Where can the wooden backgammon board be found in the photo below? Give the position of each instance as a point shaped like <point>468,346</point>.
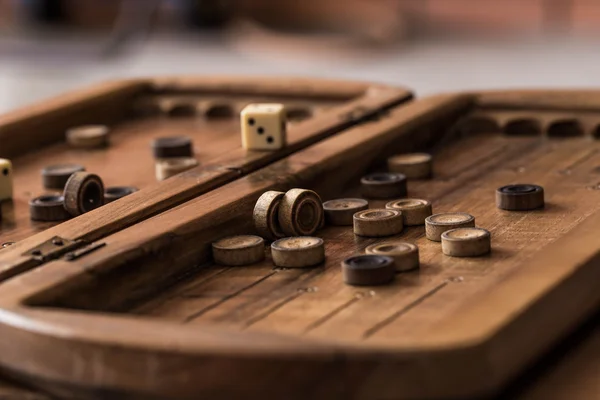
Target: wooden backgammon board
<point>125,301</point>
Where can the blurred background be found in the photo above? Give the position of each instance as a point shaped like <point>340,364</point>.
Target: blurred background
<point>50,46</point>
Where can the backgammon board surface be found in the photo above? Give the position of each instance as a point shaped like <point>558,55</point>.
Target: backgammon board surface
<point>135,306</point>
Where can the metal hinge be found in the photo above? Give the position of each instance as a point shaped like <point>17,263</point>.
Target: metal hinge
<point>73,255</point>
<point>52,249</point>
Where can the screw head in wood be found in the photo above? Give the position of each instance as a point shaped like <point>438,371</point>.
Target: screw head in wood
<point>239,250</point>
<point>88,136</point>
<point>437,224</point>
<point>300,212</point>
<point>405,255</point>
<point>83,192</point>
<point>413,166</point>
<point>340,212</point>
<point>298,252</point>
<point>172,147</point>
<point>56,176</point>
<point>383,185</point>
<point>266,215</point>
<point>414,211</point>
<point>368,270</point>
<point>116,192</point>
<point>520,197</point>
<point>378,223</point>
<point>48,208</point>
<point>466,242</point>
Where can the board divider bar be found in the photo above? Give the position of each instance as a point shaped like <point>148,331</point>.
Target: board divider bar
<point>163,195</point>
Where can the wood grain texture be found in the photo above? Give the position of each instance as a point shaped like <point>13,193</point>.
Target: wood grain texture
<point>455,328</point>
<point>363,143</point>
<point>555,100</point>
<point>34,127</point>
<point>218,148</point>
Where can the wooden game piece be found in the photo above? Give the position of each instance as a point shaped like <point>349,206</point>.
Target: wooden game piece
<point>298,252</point>
<point>414,211</point>
<point>437,224</point>
<point>405,255</point>
<point>219,111</point>
<point>266,215</point>
<point>378,223</point>
<point>6,179</point>
<point>239,250</point>
<point>167,167</point>
<point>413,166</point>
<point>83,192</point>
<point>466,242</point>
<point>300,212</point>
<point>340,212</point>
<point>368,270</point>
<point>521,197</point>
<point>172,147</point>
<point>182,109</point>
<point>56,176</point>
<point>263,127</point>
<point>116,192</point>
<point>383,185</point>
<point>88,136</point>
<point>48,208</point>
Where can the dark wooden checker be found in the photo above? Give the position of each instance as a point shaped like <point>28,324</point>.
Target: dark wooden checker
<point>139,111</point>
<point>147,314</point>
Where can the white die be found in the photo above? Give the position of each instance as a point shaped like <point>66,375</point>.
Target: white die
<point>6,179</point>
<point>263,126</point>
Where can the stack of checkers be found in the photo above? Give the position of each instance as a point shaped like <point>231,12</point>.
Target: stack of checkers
<point>73,192</point>
<point>289,219</point>
<point>172,155</point>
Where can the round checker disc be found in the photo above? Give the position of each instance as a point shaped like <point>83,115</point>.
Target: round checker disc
<point>300,212</point>
<point>383,185</point>
<point>414,211</point>
<point>340,212</point>
<point>48,208</point>
<point>466,242</point>
<point>116,192</point>
<point>298,252</point>
<point>368,270</point>
<point>170,147</point>
<point>83,192</point>
<point>405,255</point>
<point>413,166</point>
<point>521,197</point>
<point>239,250</point>
<point>378,223</point>
<point>437,224</point>
<point>56,176</point>
<point>89,136</point>
<point>266,215</point>
<point>168,167</point>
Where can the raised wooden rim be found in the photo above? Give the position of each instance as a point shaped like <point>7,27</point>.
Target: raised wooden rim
<point>106,103</point>
<point>555,275</point>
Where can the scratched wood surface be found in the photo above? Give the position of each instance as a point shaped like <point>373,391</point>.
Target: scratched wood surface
<point>544,147</point>
<point>204,103</point>
<point>128,161</point>
<point>316,302</point>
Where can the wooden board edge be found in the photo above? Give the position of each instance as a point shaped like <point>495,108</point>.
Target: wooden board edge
<point>265,85</point>
<point>99,104</point>
<point>35,329</point>
<point>163,195</point>
<point>541,99</point>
